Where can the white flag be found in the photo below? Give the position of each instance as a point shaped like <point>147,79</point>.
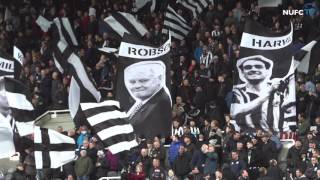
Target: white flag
<point>6,137</point>
<point>18,55</point>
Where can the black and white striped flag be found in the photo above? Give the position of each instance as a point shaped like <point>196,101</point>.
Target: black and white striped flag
<point>16,101</point>
<point>52,149</point>
<point>148,6</point>
<point>82,88</point>
<point>195,6</point>
<point>120,22</point>
<point>111,125</point>
<point>175,24</point>
<point>306,56</point>
<point>9,67</point>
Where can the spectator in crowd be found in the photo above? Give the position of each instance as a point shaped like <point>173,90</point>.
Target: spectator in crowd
<point>174,149</point>
<point>158,151</point>
<point>145,160</point>
<point>300,175</point>
<point>236,164</point>
<point>83,166</point>
<point>294,156</point>
<point>211,162</point>
<point>138,174</point>
<point>263,174</point>
<point>198,160</point>
<point>101,165</point>
<point>29,165</point>
<point>19,174</point>
<point>156,171</point>
<point>244,175</point>
<point>274,171</point>
<point>181,165</point>
<point>312,168</point>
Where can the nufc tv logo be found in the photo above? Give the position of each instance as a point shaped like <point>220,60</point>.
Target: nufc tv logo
<point>292,12</point>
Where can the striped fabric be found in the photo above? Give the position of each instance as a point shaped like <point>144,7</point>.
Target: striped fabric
<point>119,23</point>
<point>52,149</point>
<point>9,67</point>
<point>175,24</point>
<point>195,6</point>
<point>82,88</point>
<point>16,101</point>
<point>111,125</point>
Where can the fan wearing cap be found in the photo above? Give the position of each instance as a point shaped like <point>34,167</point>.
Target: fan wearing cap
<point>256,104</point>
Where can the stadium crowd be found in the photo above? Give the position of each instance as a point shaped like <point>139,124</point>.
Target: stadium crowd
<point>205,142</point>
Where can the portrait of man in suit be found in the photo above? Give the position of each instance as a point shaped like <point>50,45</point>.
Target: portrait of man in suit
<point>150,115</point>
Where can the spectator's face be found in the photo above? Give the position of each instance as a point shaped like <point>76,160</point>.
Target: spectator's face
<point>318,173</point>
<point>218,175</point>
<point>265,139</point>
<point>143,83</point>
<point>298,173</point>
<point>181,150</point>
<point>156,163</point>
<point>298,144</point>
<point>239,146</point>
<point>156,145</point>
<point>236,136</point>
<point>187,140</point>
<point>179,100</point>
<point>144,152</point>
<point>249,145</point>
<point>254,71</point>
<point>318,87</point>
<point>204,148</point>
<point>234,156</point>
<point>245,173</point>
<point>85,144</point>
<point>186,82</point>
<point>83,153</point>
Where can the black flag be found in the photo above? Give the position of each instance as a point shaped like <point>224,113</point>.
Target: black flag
<point>264,86</point>
<point>142,86</point>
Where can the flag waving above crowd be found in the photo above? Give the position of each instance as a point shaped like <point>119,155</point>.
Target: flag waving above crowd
<point>52,149</point>
<point>110,125</point>
<point>264,84</point>
<point>143,86</point>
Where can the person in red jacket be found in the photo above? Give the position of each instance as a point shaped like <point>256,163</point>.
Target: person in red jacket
<point>138,174</point>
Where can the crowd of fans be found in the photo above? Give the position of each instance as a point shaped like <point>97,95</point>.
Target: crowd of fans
<point>205,142</point>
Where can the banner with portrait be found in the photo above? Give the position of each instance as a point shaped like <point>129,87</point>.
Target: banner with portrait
<point>143,81</point>
<point>264,84</point>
